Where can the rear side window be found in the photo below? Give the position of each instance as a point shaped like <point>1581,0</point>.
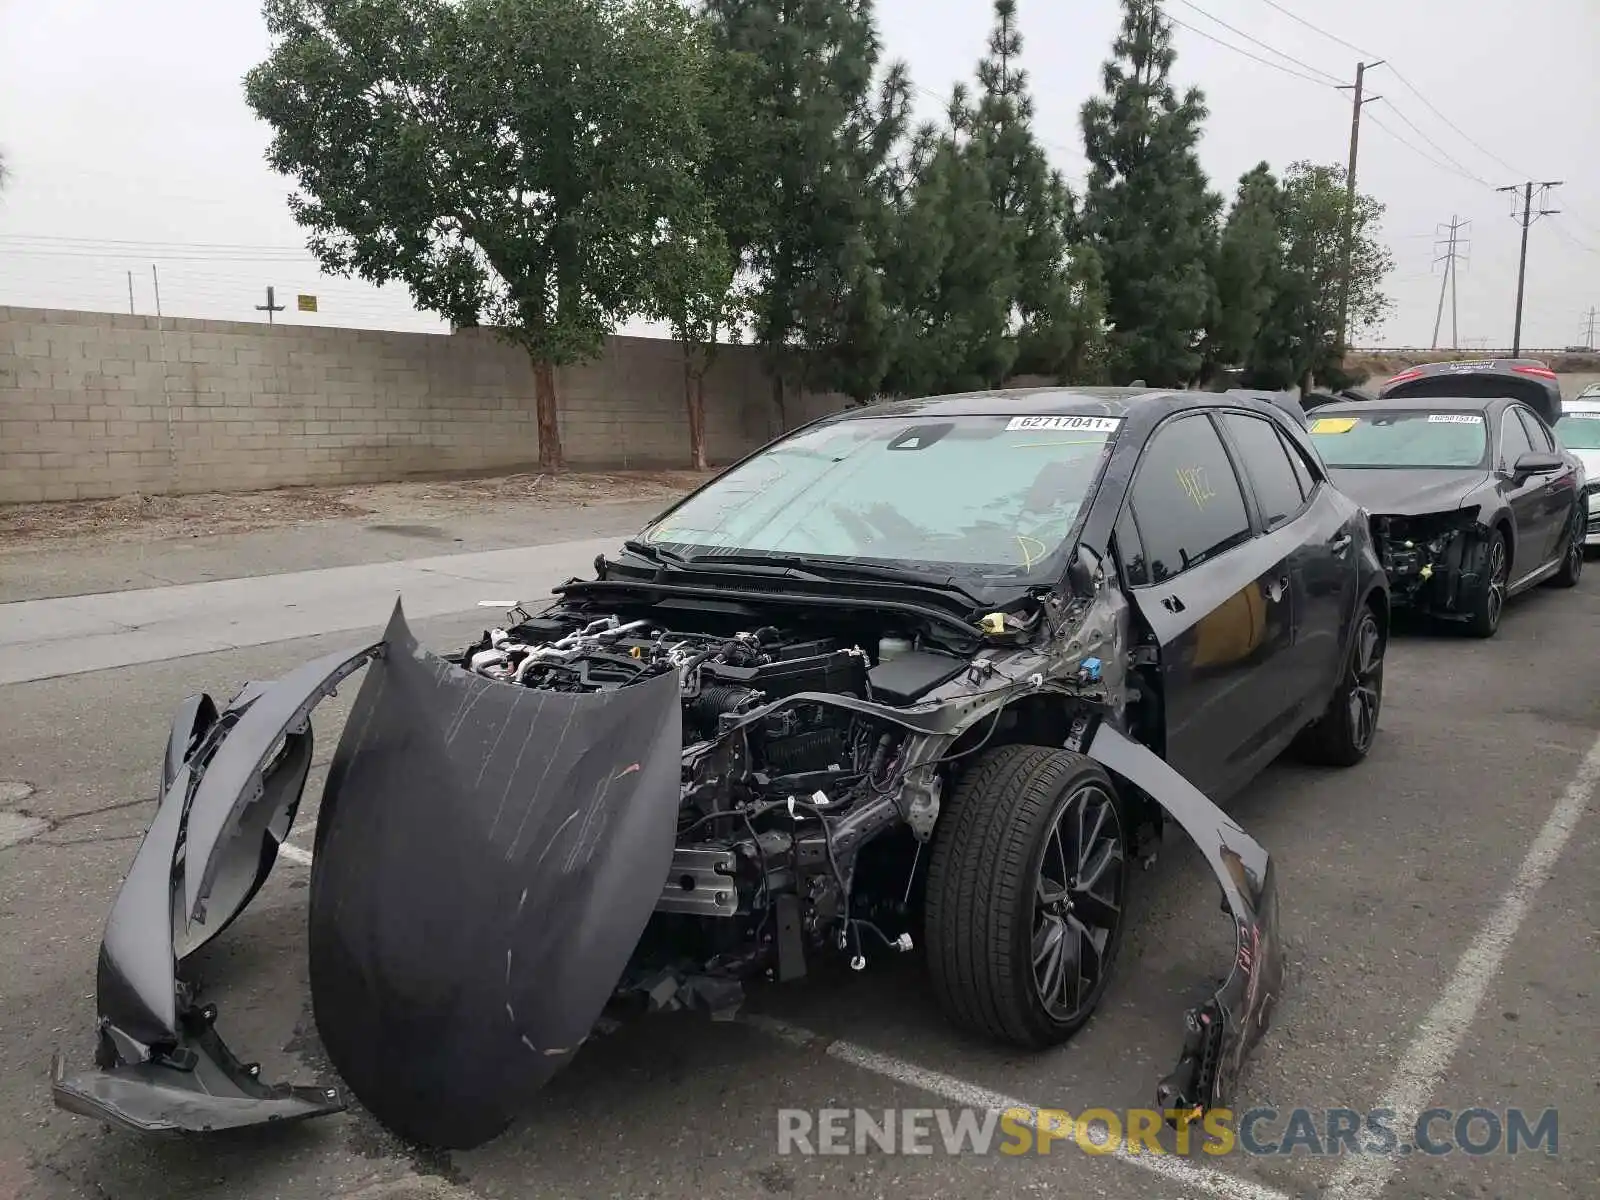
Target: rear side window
<point>1537,433</point>
<point>1266,461</point>
<point>1514,441</point>
<point>1186,498</point>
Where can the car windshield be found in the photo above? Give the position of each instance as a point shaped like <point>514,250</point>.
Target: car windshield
<point>1579,430</point>
<point>980,496</point>
<point>1401,439</point>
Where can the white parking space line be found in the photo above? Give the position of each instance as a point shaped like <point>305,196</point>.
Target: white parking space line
<point>1188,1175</point>
<point>1443,1029</point>
<point>293,853</point>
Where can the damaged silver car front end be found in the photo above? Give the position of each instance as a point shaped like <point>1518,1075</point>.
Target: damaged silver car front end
<point>487,857</point>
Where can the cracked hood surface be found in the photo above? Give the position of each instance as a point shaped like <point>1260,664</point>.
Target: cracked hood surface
<point>486,858</point>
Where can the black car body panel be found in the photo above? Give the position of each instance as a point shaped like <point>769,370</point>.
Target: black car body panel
<point>1429,521</point>
<point>513,835</point>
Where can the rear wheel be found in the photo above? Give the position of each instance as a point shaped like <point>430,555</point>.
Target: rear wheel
<point>1344,734</point>
<point>1572,565</point>
<point>1488,596</point>
<point>1026,891</point>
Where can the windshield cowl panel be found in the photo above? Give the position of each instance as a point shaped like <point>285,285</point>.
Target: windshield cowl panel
<point>984,502</point>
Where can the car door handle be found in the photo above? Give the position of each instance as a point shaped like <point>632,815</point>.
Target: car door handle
<point>1340,544</point>
<point>1172,604</point>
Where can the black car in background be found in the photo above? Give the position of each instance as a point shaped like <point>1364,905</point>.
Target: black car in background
<point>1472,500</point>
<point>1524,379</point>
<point>935,671</point>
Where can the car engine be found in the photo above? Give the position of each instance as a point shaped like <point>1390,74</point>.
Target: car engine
<point>784,785</point>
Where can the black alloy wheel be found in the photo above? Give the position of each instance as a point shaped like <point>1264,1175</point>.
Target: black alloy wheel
<point>1572,564</point>
<point>1026,894</point>
<point>1484,620</point>
<point>1343,735</point>
<point>1077,904</point>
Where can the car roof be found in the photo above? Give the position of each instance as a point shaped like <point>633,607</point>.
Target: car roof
<point>1415,404</point>
<point>1583,402</point>
<point>1059,401</point>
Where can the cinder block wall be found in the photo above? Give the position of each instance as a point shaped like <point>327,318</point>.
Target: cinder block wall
<point>101,404</point>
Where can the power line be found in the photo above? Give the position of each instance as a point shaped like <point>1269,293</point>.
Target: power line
<point>1333,80</point>
<point>1265,62</point>
<point>1420,153</point>
<point>1445,153</point>
<point>1406,83</point>
<point>1323,32</point>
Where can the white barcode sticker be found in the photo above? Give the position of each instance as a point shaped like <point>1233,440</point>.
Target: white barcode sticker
<point>1068,424</point>
<point>1454,419</point>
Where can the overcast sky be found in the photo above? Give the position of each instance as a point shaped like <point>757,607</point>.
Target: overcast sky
<point>128,142</point>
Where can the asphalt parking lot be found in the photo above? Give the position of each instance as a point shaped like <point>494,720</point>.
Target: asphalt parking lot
<point>1439,905</point>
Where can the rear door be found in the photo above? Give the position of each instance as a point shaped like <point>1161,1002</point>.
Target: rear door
<point>1528,498</point>
<point>1560,491</point>
<point>1219,600</point>
<point>1308,523</point>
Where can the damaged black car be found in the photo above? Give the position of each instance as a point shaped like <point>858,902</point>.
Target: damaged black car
<point>1472,500</point>
<point>932,673</point>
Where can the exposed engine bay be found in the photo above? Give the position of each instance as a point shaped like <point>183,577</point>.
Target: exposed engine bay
<point>779,792</point>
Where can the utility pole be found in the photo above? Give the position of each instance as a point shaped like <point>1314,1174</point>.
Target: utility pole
<point>1453,252</point>
<point>1526,217</point>
<point>130,292</point>
<point>1359,103</point>
<point>269,307</point>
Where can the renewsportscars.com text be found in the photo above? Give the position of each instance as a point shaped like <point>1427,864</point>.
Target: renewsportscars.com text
<point>1256,1131</point>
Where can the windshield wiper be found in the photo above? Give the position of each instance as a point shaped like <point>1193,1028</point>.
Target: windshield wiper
<point>654,554</point>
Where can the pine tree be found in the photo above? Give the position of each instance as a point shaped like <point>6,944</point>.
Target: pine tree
<point>950,271</point>
<point>1148,209</point>
<point>1246,272</point>
<point>806,177</point>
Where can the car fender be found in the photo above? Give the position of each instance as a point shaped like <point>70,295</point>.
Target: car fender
<point>1221,1033</point>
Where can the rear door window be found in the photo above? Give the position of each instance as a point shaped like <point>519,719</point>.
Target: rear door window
<point>1268,466</point>
<point>1186,498</point>
<point>1514,441</point>
<point>1537,433</point>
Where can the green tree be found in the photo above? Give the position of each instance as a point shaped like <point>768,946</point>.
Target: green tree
<point>950,269</point>
<point>1246,271</point>
<point>525,164</point>
<point>1298,339</point>
<point>807,181</point>
<point>1148,210</point>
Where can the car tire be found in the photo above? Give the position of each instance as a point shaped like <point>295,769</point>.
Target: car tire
<point>1343,735</point>
<point>1006,885</point>
<point>1487,600</point>
<point>1572,564</point>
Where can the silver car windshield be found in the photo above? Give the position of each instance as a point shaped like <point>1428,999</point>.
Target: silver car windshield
<point>1579,429</point>
<point>985,495</point>
<point>1401,439</point>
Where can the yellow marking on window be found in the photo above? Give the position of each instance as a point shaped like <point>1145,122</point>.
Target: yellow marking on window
<point>1028,556</point>
<point>1334,424</point>
<point>1195,485</point>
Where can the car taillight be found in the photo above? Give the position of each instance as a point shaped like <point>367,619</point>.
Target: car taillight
<point>1537,372</point>
<point>1403,376</point>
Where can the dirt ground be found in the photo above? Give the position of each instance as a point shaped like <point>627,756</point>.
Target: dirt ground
<point>140,518</point>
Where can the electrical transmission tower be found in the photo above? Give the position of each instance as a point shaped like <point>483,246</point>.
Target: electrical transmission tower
<point>1526,216</point>
<point>1454,248</point>
<point>1591,322</point>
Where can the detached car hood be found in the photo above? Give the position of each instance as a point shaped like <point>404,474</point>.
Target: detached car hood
<point>486,858</point>
<point>1403,492</point>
